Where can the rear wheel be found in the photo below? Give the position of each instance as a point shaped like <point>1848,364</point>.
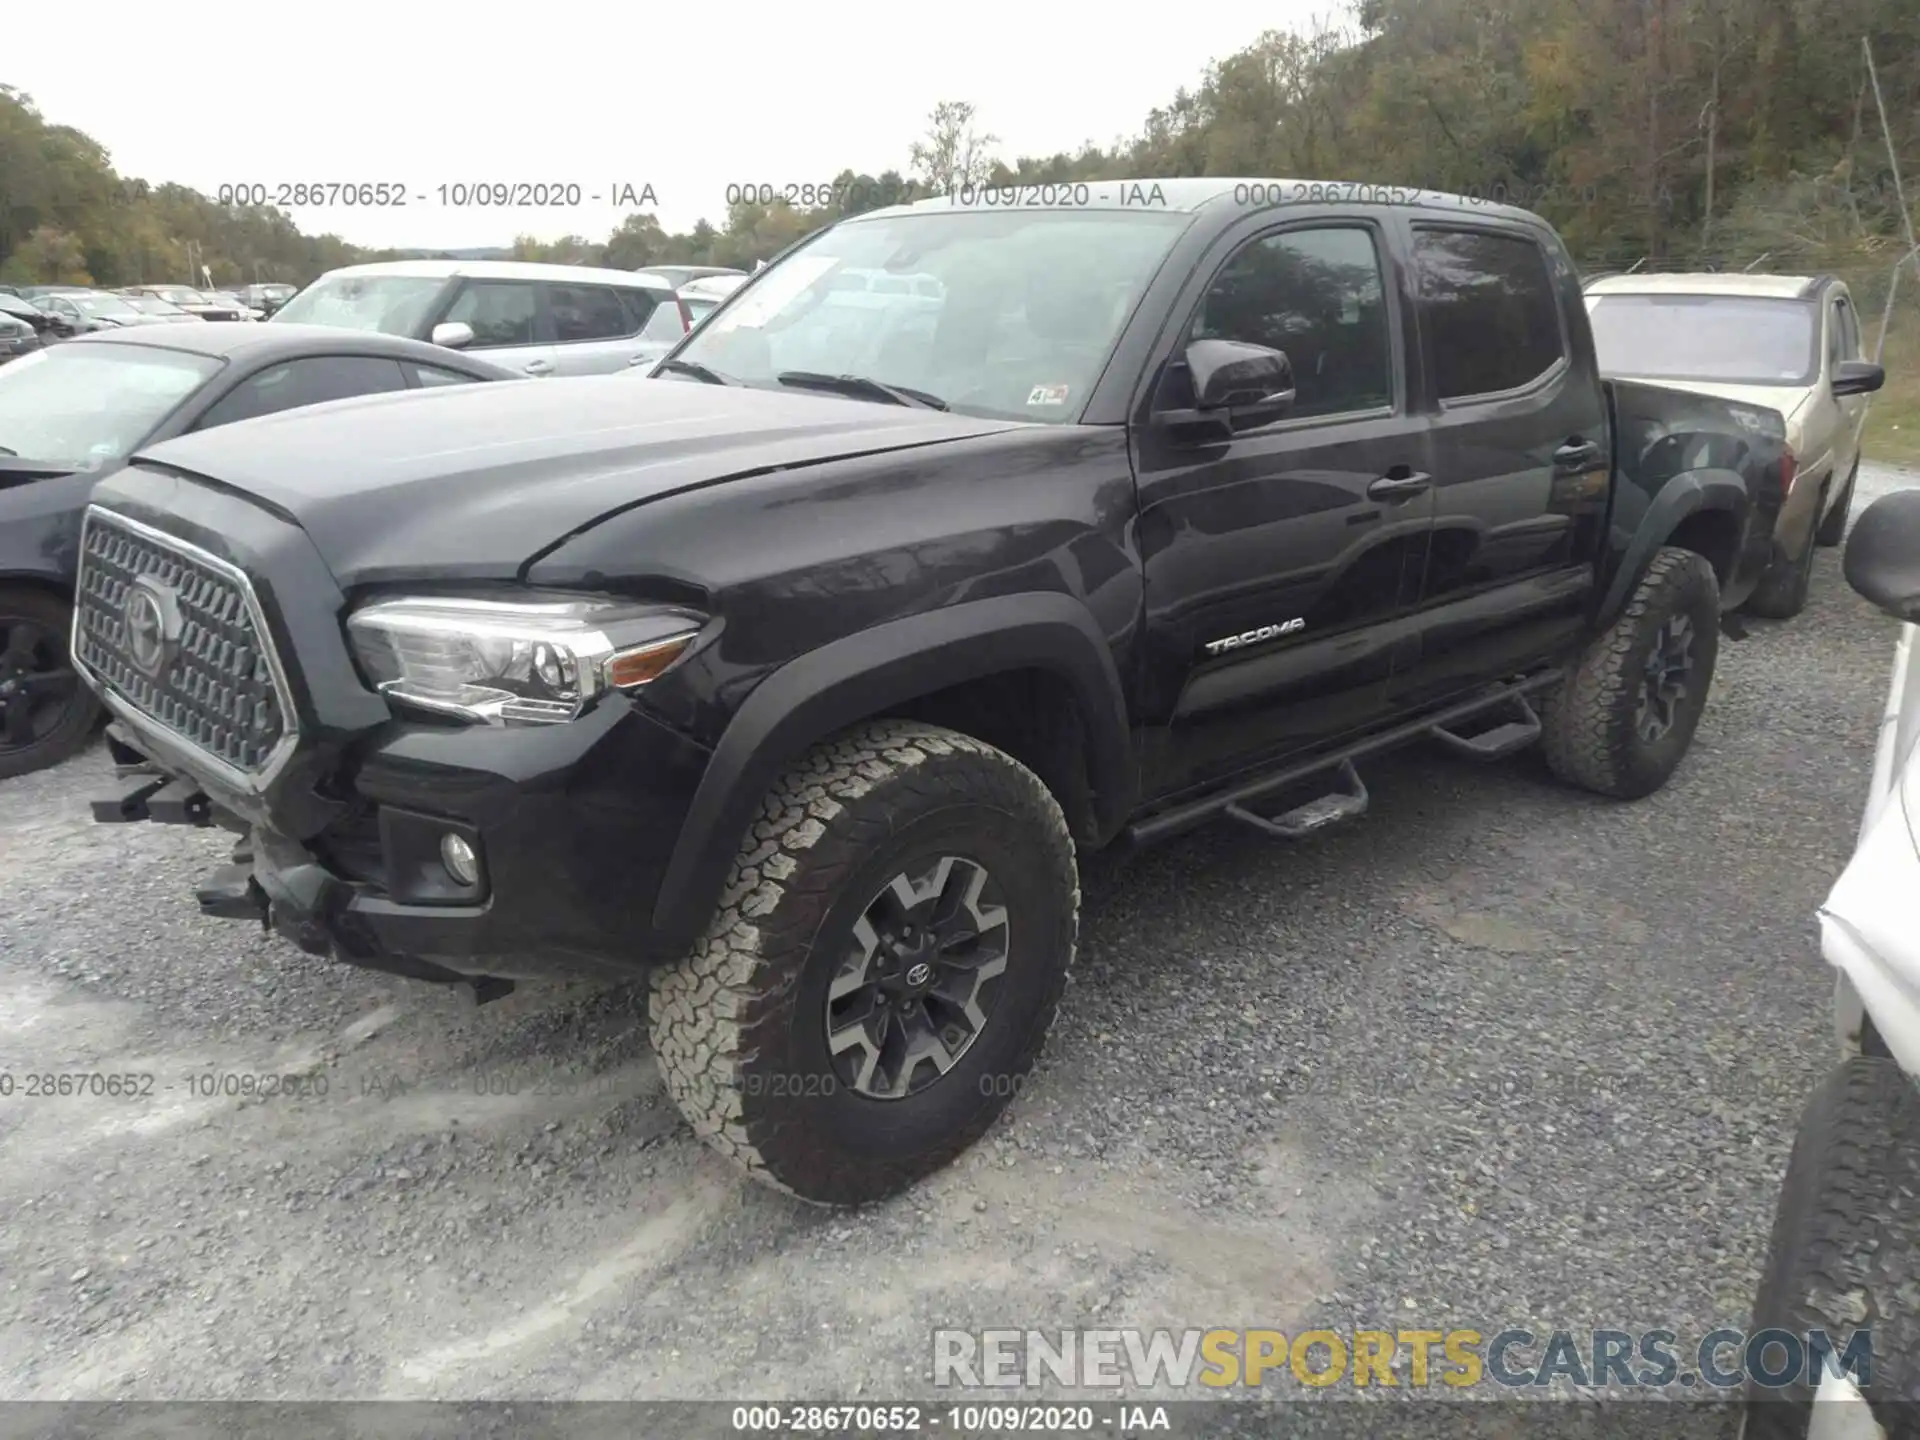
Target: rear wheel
<point>888,954</point>
<point>1621,721</point>
<point>1833,529</point>
<point>46,713</point>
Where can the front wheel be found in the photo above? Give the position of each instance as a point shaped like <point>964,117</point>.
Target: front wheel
<point>887,956</point>
<point>46,713</point>
<point>1845,1253</point>
<point>1621,721</point>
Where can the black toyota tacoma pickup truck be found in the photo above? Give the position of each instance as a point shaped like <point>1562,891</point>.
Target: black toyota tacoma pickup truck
<point>796,672</point>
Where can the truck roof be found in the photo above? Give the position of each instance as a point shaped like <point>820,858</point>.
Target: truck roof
<point>1190,194</point>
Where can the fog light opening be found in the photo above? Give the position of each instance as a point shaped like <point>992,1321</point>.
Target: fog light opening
<point>457,855</point>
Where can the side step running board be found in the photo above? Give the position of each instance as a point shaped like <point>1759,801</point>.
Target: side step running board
<point>1198,812</point>
<point>1498,742</point>
<point>1304,820</point>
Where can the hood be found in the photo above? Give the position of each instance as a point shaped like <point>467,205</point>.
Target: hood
<point>1787,399</point>
<point>474,480</point>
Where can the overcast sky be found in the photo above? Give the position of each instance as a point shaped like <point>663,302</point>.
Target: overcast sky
<point>683,99</point>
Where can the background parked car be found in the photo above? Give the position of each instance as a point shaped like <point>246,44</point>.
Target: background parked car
<point>237,302</point>
<point>1789,342</point>
<point>540,319</point>
<point>18,308</point>
<point>74,412</point>
<point>268,297</point>
<point>154,306</point>
<point>17,338</point>
<point>83,312</point>
<point>678,275</point>
<point>703,296</point>
<point>194,302</point>
<point>1847,1229</point>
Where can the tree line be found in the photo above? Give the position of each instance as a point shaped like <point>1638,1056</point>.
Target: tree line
<point>1659,130</point>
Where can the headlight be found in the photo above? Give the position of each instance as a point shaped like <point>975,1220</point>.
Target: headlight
<point>523,662</point>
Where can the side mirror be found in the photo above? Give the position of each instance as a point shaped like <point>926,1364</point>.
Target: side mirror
<point>452,334</point>
<point>1883,554</point>
<point>1235,384</point>
<point>1857,377</point>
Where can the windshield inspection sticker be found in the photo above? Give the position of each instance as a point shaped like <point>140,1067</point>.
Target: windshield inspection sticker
<point>1047,395</point>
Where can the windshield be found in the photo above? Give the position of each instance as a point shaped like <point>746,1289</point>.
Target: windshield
<point>103,304</point>
<point>153,305</point>
<point>85,405</point>
<point>390,304</point>
<point>1726,339</point>
<point>180,296</point>
<point>1008,314</point>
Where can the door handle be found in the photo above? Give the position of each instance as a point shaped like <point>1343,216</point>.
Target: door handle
<point>538,367</point>
<point>1400,487</point>
<point>1576,455</point>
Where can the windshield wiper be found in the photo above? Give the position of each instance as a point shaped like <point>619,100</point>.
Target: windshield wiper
<point>695,369</point>
<point>861,386</point>
<point>5,451</point>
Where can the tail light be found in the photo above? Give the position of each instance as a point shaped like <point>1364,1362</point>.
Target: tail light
<point>1788,465</point>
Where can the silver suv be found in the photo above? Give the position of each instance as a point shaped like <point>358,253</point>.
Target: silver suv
<point>541,319</point>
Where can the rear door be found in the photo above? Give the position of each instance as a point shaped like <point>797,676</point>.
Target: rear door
<point>596,328</point>
<point>1521,454</point>
<point>1281,561</point>
<point>508,323</point>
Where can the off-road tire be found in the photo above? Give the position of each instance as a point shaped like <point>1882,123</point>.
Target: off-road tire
<point>739,1025</point>
<point>1833,529</point>
<point>1589,736</point>
<point>1782,591</point>
<point>76,725</point>
<point>1845,1252</point>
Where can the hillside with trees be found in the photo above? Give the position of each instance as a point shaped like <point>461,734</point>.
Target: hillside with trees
<point>1669,129</point>
<point>1665,133</point>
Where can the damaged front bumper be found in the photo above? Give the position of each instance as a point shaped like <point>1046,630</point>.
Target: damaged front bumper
<point>569,829</point>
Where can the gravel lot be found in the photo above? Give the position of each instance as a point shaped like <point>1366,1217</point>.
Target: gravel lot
<point>1498,1054</point>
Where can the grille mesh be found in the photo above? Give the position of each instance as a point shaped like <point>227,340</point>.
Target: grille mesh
<point>217,691</point>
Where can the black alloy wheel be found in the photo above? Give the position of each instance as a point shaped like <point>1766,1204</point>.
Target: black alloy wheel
<point>920,979</point>
<point>1669,670</point>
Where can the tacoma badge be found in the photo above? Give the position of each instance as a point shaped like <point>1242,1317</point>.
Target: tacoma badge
<point>1254,637</point>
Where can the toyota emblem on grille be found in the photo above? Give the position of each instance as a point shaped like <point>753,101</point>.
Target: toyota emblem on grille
<point>152,616</point>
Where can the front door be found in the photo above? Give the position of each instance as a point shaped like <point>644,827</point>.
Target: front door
<point>1522,451</point>
<point>508,326</point>
<point>1843,345</point>
<point>1278,560</point>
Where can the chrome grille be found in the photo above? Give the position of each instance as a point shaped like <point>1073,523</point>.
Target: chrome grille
<point>218,687</point>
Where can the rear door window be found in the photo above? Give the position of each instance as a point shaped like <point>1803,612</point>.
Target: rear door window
<point>1489,312</point>
<point>587,312</point>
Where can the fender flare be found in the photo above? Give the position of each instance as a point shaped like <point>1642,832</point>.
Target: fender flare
<point>1688,493</point>
<point>847,680</point>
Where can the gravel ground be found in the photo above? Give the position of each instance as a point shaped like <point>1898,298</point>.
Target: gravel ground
<point>1499,1054</point>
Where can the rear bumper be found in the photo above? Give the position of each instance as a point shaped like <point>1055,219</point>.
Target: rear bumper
<point>574,825</point>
